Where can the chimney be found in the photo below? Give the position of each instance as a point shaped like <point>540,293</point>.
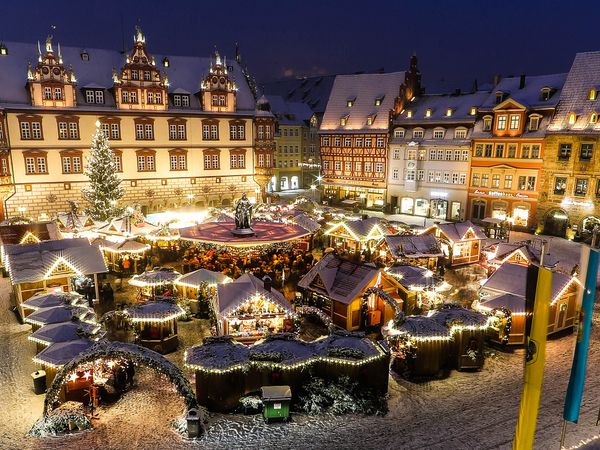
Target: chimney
<point>267,283</point>
<point>522,81</point>
<point>497,79</point>
<point>457,91</point>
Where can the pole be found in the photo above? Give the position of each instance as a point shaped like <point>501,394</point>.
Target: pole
<point>96,288</point>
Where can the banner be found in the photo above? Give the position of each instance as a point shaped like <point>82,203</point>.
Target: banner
<point>535,358</point>
<point>577,380</point>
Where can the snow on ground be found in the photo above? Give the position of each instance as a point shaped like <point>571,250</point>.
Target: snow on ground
<point>466,410</point>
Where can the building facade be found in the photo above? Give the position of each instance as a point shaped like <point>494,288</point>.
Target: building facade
<point>508,149</point>
<point>570,183</point>
<point>429,156</point>
<point>183,129</point>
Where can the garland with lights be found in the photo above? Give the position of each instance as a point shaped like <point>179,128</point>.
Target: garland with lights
<point>364,306</point>
<point>507,326</point>
<point>120,350</point>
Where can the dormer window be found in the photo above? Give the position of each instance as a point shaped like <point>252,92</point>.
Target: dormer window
<point>166,62</point>
<point>448,112</point>
<point>593,94</point>
<point>135,75</point>
<point>460,133</point>
<point>438,133</point>
<point>379,100</point>
<point>418,133</point>
<point>428,112</point>
<point>473,110</point>
<point>182,100</point>
<point>499,97</point>
<point>399,133</point>
<point>545,94</point>
<point>487,123</point>
<point>593,118</point>
<point>344,120</point>
<point>534,122</point>
<point>409,114</point>
<point>572,118</point>
<point>3,49</point>
<point>85,56</point>
<point>371,119</point>
<point>350,102</point>
<point>94,96</point>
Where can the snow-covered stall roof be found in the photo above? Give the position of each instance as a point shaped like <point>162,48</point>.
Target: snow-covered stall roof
<point>455,315</point>
<point>414,276</point>
<point>217,352</point>
<point>283,348</point>
<point>155,311</point>
<point>232,295</point>
<point>128,246</point>
<point>512,279</point>
<point>340,279</point>
<point>49,299</point>
<point>196,278</point>
<point>421,327</point>
<point>62,313</point>
<point>155,277</point>
<point>64,331</point>
<point>29,263</point>
<point>514,303</point>
<point>306,222</point>
<point>505,250</point>
<point>373,96</point>
<point>361,230</point>
<point>28,232</point>
<point>126,227</point>
<point>413,246</point>
<point>459,231</point>
<point>58,354</point>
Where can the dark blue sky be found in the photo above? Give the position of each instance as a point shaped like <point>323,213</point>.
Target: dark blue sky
<point>456,41</point>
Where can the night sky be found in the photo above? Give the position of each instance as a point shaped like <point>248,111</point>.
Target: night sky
<point>456,41</point>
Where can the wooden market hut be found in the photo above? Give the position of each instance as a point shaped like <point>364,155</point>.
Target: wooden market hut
<point>420,289</point>
<point>420,345</point>
<point>417,250</point>
<point>523,253</point>
<point>51,264</point>
<point>227,370</point>
<point>64,332</point>
<point>159,277</point>
<point>155,323</point>
<point>249,308</point>
<point>48,299</point>
<point>27,233</point>
<point>116,251</point>
<point>126,227</point>
<point>338,287</point>
<point>200,283</point>
<point>57,314</point>
<point>460,241</point>
<point>506,288</point>
<point>357,235</point>
<point>56,355</point>
<point>468,329</point>
<point>74,224</point>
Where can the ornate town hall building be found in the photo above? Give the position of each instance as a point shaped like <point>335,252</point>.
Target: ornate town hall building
<point>183,129</point>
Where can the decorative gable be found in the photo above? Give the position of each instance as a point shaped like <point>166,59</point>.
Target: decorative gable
<point>49,82</point>
<point>61,267</point>
<point>218,90</point>
<point>317,283</point>
<point>139,84</point>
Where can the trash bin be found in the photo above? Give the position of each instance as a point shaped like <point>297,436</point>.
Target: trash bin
<point>193,423</point>
<point>276,401</point>
<point>39,381</point>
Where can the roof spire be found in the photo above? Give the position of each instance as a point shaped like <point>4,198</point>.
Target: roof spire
<point>217,58</point>
<point>59,54</point>
<point>139,37</point>
<point>39,52</point>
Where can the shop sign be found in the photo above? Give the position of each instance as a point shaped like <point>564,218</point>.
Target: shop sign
<point>500,194</point>
<point>439,194</point>
<point>569,202</point>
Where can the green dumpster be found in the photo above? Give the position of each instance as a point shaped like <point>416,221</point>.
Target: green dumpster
<point>276,401</point>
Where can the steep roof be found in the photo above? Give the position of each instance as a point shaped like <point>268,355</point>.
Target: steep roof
<point>413,246</point>
<point>530,95</point>
<point>290,113</point>
<point>512,279</point>
<point>232,295</point>
<point>363,90</point>
<point>504,250</point>
<point>184,73</point>
<point>360,228</point>
<point>14,234</point>
<point>583,76</point>
<point>29,263</point>
<point>337,278</point>
<point>314,91</point>
<point>456,231</point>
<point>413,276</point>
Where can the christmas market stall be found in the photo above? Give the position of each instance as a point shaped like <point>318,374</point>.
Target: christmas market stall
<point>420,290</point>
<point>47,265</point>
<point>47,299</point>
<point>468,329</point>
<point>460,241</point>
<point>155,323</point>
<point>159,281</point>
<point>75,224</point>
<point>353,294</point>
<point>132,225</point>
<point>417,250</point>
<point>249,308</point>
<point>163,237</point>
<point>227,370</point>
<point>116,252</point>
<point>511,279</point>
<point>63,332</point>
<point>420,345</point>
<point>200,286</point>
<point>524,252</point>
<point>57,314</point>
<point>357,235</point>
<point>27,233</point>
<point>56,355</point>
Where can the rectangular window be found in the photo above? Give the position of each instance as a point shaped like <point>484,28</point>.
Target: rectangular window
<point>560,185</point>
<point>4,166</point>
<point>206,132</point>
<point>63,132</point>
<point>368,166</point>
<point>41,164</point>
<point>418,134</point>
<point>115,131</point>
<point>36,130</point>
<point>336,141</point>
<point>438,177</point>
<point>149,131</point>
<point>410,175</point>
<point>411,154</point>
<point>58,93</point>
<point>501,123</point>
<point>368,142</point>
<point>106,130</point>
<point>508,180</point>
<point>432,155</point>
<point>47,93</point>
<point>395,174</point>
<point>488,150</point>
<point>465,155</point>
<point>454,178</point>
<point>534,123</point>
<point>99,97</point>
<point>133,96</point>
<point>358,142</point>
<point>89,96</point>
<point>479,150</point>
<point>174,162</point>
<point>456,155</point>
<point>118,164</point>
<point>499,150</point>
<point>564,152</point>
<point>586,151</point>
<point>438,134</point>
<point>177,100</point>
<point>581,187</point>
<point>141,163</point>
<point>440,155</point>
<point>515,121</point>
<point>233,134</point>
<point>522,183</point>
<point>348,166</point>
<point>399,133</point>
<point>150,162</point>
<point>172,132</point>
<point>460,134</point>
<point>139,131</point>
<point>380,142</point>
<point>495,181</point>
<point>448,155</point>
<point>135,75</point>
<point>430,176</point>
<point>150,98</point>
<point>484,179</point>
<point>73,130</point>
<point>124,97</point>
<point>347,141</point>
<point>214,132</point>
<point>337,165</point>
<point>358,166</point>
<point>526,151</point>
<point>446,177</point>
<point>462,178</point>
<point>181,132</point>
<point>325,165</point>
<point>420,175</point>
<point>487,124</point>
<point>146,75</point>
<point>29,165</point>
<point>66,164</point>
<point>185,100</point>
<point>379,167</point>
<point>535,151</point>
<point>512,151</point>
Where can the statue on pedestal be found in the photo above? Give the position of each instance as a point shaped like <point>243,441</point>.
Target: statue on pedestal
<point>243,217</point>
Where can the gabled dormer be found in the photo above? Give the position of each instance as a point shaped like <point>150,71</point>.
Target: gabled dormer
<point>139,84</point>
<point>509,118</point>
<point>49,82</point>
<point>218,90</point>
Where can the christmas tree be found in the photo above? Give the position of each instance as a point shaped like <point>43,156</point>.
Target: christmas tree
<point>104,189</point>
